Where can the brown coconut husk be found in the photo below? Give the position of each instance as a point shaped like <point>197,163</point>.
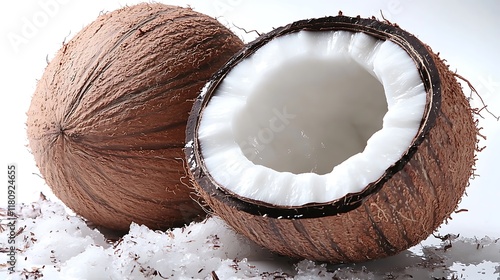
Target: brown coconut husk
<point>400,209</point>
<point>107,121</point>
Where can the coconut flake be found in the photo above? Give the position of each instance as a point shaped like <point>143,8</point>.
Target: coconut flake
<point>201,250</point>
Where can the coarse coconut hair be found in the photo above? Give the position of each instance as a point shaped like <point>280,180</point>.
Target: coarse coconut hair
<point>107,121</point>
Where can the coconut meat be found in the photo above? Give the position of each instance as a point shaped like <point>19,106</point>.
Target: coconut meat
<point>310,117</point>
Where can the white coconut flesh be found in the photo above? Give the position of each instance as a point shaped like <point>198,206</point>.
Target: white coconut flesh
<point>311,117</point>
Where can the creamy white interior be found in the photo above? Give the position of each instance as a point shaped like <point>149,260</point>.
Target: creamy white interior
<point>311,117</point>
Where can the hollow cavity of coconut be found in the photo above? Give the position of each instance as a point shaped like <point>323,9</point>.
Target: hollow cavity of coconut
<point>336,139</point>
<point>107,121</point>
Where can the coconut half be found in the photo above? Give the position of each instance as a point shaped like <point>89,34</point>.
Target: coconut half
<point>336,139</point>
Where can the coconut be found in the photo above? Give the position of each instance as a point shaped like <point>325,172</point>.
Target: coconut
<point>107,121</point>
<point>337,139</point>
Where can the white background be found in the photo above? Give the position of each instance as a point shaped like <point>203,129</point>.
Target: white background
<point>465,33</point>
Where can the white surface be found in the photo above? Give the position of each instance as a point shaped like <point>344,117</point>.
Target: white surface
<point>297,142</point>
<point>59,246</point>
<point>466,34</point>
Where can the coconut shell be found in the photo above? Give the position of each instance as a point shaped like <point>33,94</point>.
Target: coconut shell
<point>404,206</point>
<point>107,121</point>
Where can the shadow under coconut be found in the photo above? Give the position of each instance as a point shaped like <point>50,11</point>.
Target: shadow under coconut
<point>111,235</point>
<point>453,258</point>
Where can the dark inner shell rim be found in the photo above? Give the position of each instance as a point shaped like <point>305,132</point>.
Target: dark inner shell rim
<point>380,30</point>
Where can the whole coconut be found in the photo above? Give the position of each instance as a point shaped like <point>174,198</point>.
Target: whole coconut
<point>107,121</point>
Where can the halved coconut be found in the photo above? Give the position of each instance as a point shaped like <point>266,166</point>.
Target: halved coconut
<point>336,139</point>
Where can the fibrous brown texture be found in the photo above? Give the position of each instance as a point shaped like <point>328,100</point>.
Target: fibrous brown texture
<point>401,208</point>
<point>107,121</point>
